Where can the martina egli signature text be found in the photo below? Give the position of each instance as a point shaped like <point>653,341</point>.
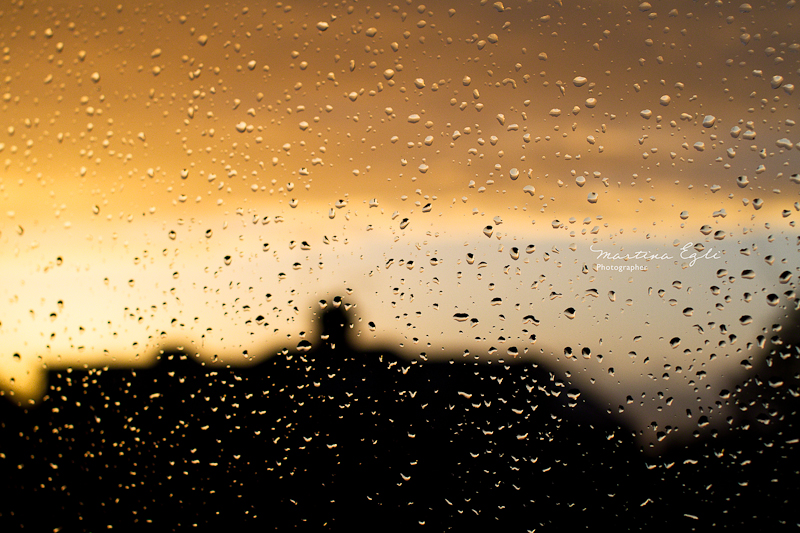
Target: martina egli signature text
<point>687,253</point>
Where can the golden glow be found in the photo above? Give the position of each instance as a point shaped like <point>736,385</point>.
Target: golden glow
<point>145,144</point>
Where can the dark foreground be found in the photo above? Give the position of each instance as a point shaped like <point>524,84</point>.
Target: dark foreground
<point>333,439</point>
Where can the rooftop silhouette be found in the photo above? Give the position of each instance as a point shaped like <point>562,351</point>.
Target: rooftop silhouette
<point>329,438</point>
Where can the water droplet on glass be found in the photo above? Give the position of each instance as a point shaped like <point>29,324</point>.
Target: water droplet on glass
<point>303,346</point>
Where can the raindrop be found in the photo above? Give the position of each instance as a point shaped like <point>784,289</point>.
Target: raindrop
<point>709,121</point>
<point>773,299</point>
<point>488,230</point>
<point>675,342</point>
<point>742,181</point>
<point>303,346</point>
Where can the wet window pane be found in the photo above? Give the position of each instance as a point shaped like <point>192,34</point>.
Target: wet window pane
<point>320,265</point>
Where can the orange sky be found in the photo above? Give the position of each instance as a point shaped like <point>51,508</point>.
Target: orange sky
<point>144,143</point>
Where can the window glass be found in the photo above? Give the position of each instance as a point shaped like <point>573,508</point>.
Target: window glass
<point>304,264</point>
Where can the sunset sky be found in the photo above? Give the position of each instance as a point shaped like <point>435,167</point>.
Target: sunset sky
<point>171,173</point>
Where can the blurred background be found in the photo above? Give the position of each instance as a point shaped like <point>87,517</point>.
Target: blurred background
<point>605,191</point>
